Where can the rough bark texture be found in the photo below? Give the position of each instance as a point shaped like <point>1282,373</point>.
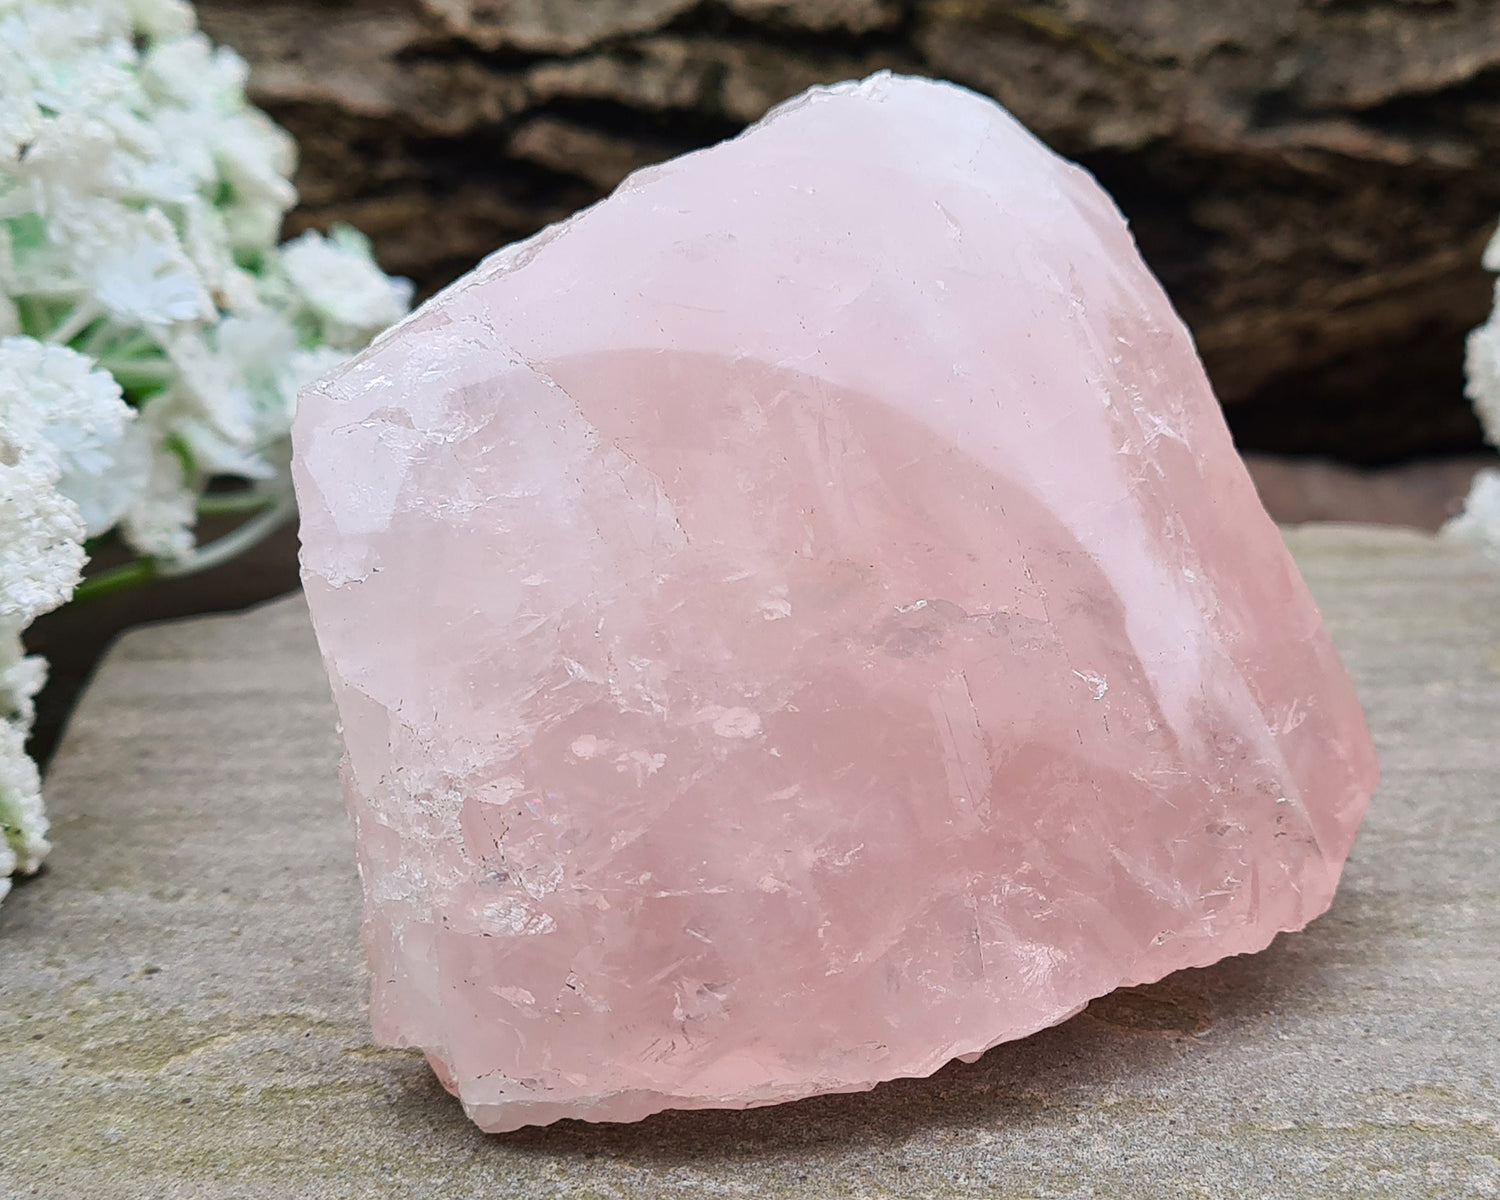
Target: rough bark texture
<point>1313,180</point>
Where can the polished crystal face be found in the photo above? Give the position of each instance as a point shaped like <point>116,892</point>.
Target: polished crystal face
<point>803,620</point>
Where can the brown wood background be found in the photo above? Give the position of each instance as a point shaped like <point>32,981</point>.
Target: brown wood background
<point>1313,180</point>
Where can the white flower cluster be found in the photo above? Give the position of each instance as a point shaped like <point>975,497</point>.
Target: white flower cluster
<point>1479,523</point>
<point>59,416</point>
<point>153,335</point>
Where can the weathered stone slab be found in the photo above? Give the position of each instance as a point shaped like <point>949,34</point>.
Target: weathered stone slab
<point>181,994</point>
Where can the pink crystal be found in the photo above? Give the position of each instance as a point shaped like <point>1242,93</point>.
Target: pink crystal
<point>802,621</point>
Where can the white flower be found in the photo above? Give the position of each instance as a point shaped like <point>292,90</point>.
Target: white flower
<point>1479,523</point>
<point>161,18</point>
<point>201,93</point>
<point>215,454</point>
<point>1490,259</point>
<point>205,241</point>
<point>141,198</point>
<point>190,72</point>
<point>20,115</point>
<point>160,522</point>
<point>338,279</point>
<point>109,480</point>
<point>41,530</point>
<point>23,825</point>
<point>208,386</point>
<point>99,453</point>
<point>139,272</point>
<point>1484,374</point>
<point>308,366</point>
<point>61,422</point>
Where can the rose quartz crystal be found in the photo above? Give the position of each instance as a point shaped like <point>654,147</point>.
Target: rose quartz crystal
<point>802,621</point>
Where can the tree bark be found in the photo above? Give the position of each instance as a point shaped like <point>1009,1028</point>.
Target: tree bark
<point>1313,180</point>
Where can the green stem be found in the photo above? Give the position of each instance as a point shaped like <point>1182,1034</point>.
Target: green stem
<point>140,372</point>
<point>98,339</point>
<point>252,532</point>
<point>228,504</point>
<point>75,323</point>
<point>136,344</point>
<point>116,579</point>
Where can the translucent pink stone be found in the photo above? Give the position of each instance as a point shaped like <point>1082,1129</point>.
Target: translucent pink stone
<point>803,620</point>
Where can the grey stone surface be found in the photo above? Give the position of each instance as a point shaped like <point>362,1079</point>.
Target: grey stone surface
<point>181,993</point>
